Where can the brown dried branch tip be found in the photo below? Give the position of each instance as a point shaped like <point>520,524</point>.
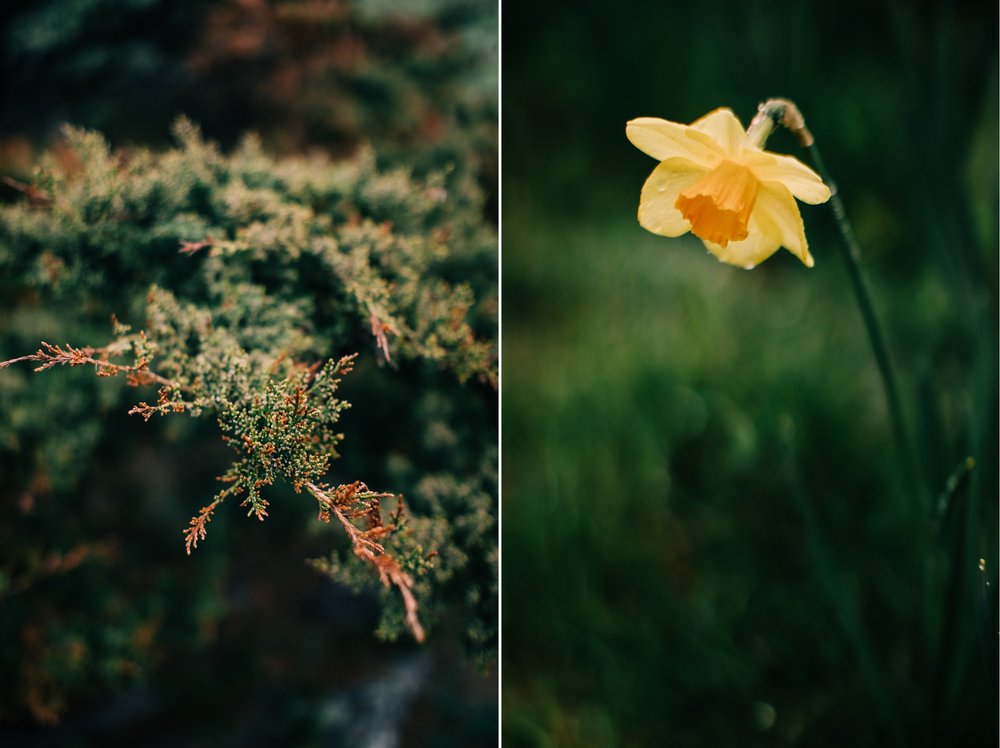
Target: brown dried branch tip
<point>354,501</point>
<point>164,403</point>
<point>196,529</point>
<point>379,330</point>
<point>189,248</point>
<point>35,195</point>
<point>56,563</point>
<point>54,355</point>
<point>138,374</point>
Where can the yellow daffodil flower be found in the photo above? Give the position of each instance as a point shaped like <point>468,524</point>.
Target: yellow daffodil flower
<point>715,182</point>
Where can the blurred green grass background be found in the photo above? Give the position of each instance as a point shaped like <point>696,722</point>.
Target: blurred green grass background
<point>707,539</point>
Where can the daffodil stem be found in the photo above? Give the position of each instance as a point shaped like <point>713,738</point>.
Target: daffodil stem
<point>863,293</point>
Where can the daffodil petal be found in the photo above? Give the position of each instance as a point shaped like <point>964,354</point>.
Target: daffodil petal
<point>749,252</point>
<point>800,180</point>
<point>777,215</point>
<point>663,140</point>
<point>723,127</point>
<point>657,211</point>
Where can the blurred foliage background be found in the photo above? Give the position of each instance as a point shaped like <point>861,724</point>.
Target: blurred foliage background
<point>111,634</point>
<point>707,538</point>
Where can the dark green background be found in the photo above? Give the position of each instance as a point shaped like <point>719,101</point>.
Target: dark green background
<point>707,537</point>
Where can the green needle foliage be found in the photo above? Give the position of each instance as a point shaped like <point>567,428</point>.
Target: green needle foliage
<point>240,290</point>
